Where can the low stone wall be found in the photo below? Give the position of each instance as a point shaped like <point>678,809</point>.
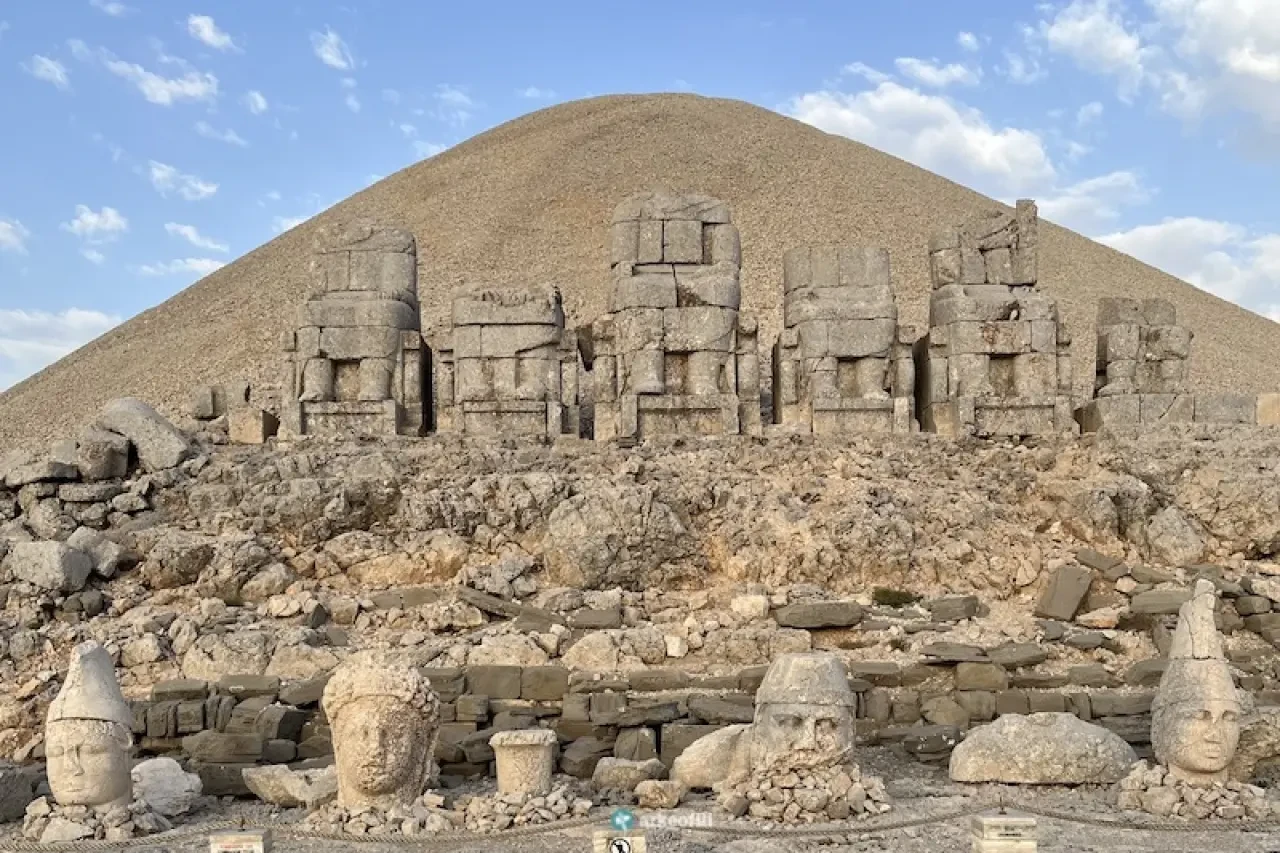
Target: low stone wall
<point>220,728</point>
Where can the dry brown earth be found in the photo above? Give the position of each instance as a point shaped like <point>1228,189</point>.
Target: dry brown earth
<point>530,201</point>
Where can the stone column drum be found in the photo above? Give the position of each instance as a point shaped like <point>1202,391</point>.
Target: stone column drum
<point>525,759</point>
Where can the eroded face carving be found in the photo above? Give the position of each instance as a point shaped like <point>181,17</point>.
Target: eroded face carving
<point>799,735</point>
<point>88,763</point>
<point>1202,737</point>
<point>379,744</point>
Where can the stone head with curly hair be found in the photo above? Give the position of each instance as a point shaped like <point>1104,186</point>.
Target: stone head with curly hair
<point>385,720</point>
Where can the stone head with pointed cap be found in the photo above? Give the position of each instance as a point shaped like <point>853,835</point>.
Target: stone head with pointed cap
<point>88,734</point>
<point>385,719</point>
<point>1195,718</point>
<point>804,713</point>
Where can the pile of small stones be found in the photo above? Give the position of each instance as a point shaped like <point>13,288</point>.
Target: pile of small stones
<point>1151,788</point>
<point>496,812</point>
<point>806,796</point>
<point>48,822</point>
<point>425,817</point>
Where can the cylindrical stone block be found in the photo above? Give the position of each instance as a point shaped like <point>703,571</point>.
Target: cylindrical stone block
<point>525,760</point>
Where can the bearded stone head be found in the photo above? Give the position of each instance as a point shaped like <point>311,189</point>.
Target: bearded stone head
<point>804,714</point>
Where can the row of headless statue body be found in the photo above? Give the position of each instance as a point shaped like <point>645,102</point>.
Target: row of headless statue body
<point>385,720</point>
<point>676,355</point>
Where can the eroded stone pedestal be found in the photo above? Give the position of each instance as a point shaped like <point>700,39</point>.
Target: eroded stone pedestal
<point>525,760</point>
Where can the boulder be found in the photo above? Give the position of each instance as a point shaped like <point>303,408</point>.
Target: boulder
<point>45,470</point>
<point>216,655</point>
<point>819,614</point>
<point>1041,749</point>
<point>657,794</point>
<point>160,444</point>
<point>280,786</point>
<point>706,761</point>
<point>166,787</point>
<point>102,455</point>
<point>107,555</point>
<point>16,792</point>
<point>623,775</point>
<point>49,565</point>
<point>1173,539</point>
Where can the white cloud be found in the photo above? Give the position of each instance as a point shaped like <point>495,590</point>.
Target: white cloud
<point>1022,70</point>
<point>199,266</point>
<point>408,130</point>
<point>391,96</point>
<point>1220,257</point>
<point>193,236</point>
<point>933,132</point>
<point>284,223</point>
<point>111,7</point>
<point>1096,202</point>
<point>861,69</point>
<point>332,50</point>
<point>48,70</point>
<point>938,76</point>
<point>1088,114</point>
<point>454,105</point>
<point>97,226</point>
<point>166,91</point>
<point>352,102</point>
<point>13,236</point>
<point>203,29</point>
<point>967,41</point>
<point>536,94</point>
<point>256,102</point>
<point>228,136</point>
<point>1095,35</point>
<point>32,340</point>
<point>428,149</point>
<point>93,255</point>
<point>167,179</point>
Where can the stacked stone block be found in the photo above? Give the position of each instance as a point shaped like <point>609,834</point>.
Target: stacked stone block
<point>842,365</point>
<point>674,355</point>
<point>996,361</point>
<point>355,357</point>
<point>507,366</point>
<point>1141,366</point>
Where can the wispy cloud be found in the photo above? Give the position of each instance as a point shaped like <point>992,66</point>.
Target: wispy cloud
<point>31,340</point>
<point>13,236</point>
<point>428,149</point>
<point>930,73</point>
<point>453,105</point>
<point>228,136</point>
<point>332,50</point>
<point>352,100</point>
<point>193,85</point>
<point>256,102</point>
<point>193,236</point>
<point>203,29</point>
<point>199,266</point>
<point>111,7</point>
<point>167,179</point>
<point>866,72</point>
<point>967,41</point>
<point>97,226</point>
<point>285,223</point>
<point>535,94</point>
<point>48,70</point>
<point>93,255</point>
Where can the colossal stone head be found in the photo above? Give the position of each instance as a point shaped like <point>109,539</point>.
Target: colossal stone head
<point>385,719</point>
<point>88,737</point>
<point>1195,720</point>
<point>804,714</point>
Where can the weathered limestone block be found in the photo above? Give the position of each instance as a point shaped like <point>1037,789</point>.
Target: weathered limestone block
<point>385,720</point>
<point>1041,749</point>
<point>287,788</point>
<point>159,444</point>
<point>841,364</point>
<point>525,759</point>
<point>996,360</point>
<point>506,365</point>
<point>355,359</point>
<point>674,355</point>
<point>166,787</point>
<point>1195,719</point>
<point>88,734</point>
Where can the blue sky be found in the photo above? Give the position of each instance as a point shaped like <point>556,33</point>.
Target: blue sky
<point>148,142</point>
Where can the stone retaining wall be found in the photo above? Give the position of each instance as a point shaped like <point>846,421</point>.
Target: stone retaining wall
<point>220,728</point>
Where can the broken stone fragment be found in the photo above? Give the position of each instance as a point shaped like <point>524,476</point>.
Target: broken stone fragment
<point>160,445</point>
